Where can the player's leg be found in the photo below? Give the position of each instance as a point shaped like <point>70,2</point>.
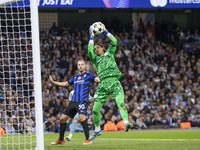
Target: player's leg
<point>69,112</point>
<point>63,124</point>
<point>82,109</point>
<point>118,95</point>
<point>73,126</point>
<point>97,115</point>
<point>100,97</point>
<point>85,128</point>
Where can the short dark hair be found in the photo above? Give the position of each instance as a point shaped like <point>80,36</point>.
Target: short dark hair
<point>81,59</point>
<point>101,45</point>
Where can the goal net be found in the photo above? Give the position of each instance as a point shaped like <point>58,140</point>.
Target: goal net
<point>21,124</point>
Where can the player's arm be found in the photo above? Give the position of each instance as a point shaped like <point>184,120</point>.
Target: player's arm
<point>71,95</point>
<point>90,99</point>
<point>58,83</point>
<point>96,79</point>
<point>113,45</point>
<point>91,53</point>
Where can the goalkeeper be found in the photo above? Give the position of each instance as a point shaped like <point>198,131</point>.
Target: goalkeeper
<point>109,74</point>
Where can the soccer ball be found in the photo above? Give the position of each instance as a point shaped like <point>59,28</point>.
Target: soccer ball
<point>97,28</point>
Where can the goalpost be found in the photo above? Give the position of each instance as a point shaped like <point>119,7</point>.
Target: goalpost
<point>21,115</point>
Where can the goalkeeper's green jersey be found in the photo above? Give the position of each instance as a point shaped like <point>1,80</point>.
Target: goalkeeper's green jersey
<point>105,64</point>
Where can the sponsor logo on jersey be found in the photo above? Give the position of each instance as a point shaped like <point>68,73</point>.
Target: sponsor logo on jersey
<point>80,81</point>
<point>81,106</point>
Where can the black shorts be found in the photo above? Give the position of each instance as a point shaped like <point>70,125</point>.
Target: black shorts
<point>74,107</point>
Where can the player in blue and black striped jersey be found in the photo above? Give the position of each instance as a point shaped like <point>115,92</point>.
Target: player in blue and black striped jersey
<point>81,83</point>
<point>75,120</point>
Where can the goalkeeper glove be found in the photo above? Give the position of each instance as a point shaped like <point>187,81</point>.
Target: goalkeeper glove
<point>104,29</point>
<point>91,33</point>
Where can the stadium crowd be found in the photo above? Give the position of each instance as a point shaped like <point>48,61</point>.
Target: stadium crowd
<point>161,79</point>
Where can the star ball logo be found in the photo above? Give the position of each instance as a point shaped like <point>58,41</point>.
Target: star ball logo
<point>158,3</point>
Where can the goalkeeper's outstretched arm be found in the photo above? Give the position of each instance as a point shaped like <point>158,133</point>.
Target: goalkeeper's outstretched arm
<point>91,53</point>
<point>113,45</point>
<point>58,83</point>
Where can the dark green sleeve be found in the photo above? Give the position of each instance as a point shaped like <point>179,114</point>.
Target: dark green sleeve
<point>113,45</point>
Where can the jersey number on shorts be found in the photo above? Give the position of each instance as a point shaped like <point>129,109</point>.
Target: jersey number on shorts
<point>82,106</point>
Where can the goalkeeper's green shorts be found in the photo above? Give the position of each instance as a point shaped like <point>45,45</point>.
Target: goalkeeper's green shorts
<point>109,86</point>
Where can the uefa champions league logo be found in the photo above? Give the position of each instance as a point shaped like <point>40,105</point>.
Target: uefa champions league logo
<point>158,3</point>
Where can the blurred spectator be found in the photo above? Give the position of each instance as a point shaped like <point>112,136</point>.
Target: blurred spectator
<point>139,123</point>
<point>148,121</point>
<point>149,28</point>
<point>156,120</point>
<point>197,122</point>
<point>53,127</point>
<point>10,129</point>
<point>54,29</point>
<point>58,107</point>
<point>48,124</point>
<point>29,128</point>
<point>22,128</point>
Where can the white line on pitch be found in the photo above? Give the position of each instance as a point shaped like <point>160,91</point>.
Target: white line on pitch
<point>147,139</point>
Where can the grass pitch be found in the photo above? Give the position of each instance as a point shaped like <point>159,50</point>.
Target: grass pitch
<point>132,140</point>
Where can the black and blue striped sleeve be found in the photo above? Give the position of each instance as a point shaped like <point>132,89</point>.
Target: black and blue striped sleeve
<point>92,76</point>
<point>71,81</point>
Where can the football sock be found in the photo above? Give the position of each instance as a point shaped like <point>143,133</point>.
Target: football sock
<point>97,129</point>
<point>70,135</point>
<point>85,127</point>
<point>96,113</point>
<point>125,122</point>
<point>73,126</point>
<point>62,131</point>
